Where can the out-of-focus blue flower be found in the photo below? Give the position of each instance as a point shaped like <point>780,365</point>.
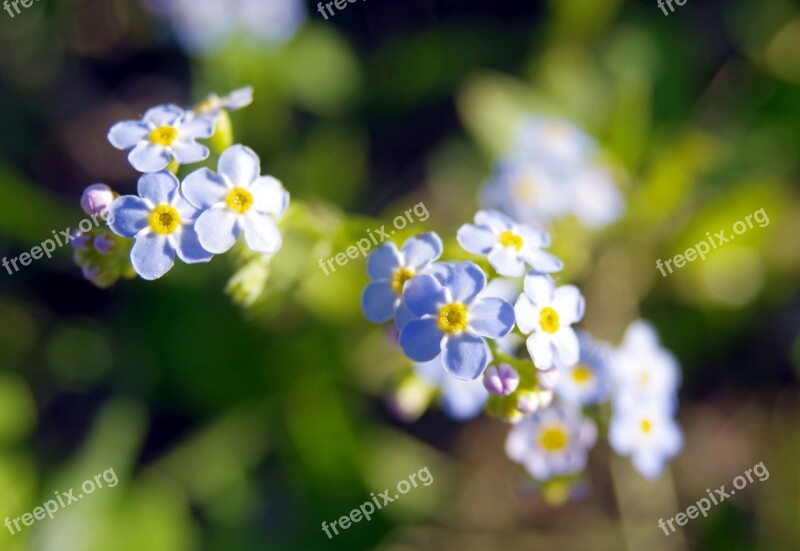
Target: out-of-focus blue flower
<point>453,320</point>
<point>508,245</point>
<point>272,21</point>
<point>547,313</point>
<point>588,381</point>
<point>164,132</point>
<point>641,369</point>
<point>237,200</point>
<point>103,243</point>
<point>501,380</point>
<point>648,433</point>
<point>553,140</point>
<point>459,399</point>
<point>238,99</point>
<point>595,200</point>
<point>162,223</point>
<point>553,441</point>
<point>390,269</point>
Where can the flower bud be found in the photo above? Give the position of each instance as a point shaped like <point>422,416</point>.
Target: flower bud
<point>80,241</point>
<point>548,378</point>
<point>104,244</point>
<point>527,402</point>
<point>96,199</point>
<point>501,380</point>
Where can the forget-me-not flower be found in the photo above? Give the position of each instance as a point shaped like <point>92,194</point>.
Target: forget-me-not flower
<point>554,441</point>
<point>164,132</point>
<point>161,221</point>
<point>508,245</point>
<point>237,199</point>
<point>453,320</point>
<point>390,269</point>
<point>588,381</point>
<point>459,399</point>
<point>553,140</point>
<point>546,314</point>
<point>235,100</point>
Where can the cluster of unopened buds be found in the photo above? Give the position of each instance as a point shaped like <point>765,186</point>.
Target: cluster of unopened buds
<point>194,218</point>
<point>506,345</point>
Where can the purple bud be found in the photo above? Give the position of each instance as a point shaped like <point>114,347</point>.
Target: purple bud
<point>501,380</point>
<point>80,241</point>
<point>548,378</point>
<point>96,199</point>
<point>90,272</point>
<point>104,244</point>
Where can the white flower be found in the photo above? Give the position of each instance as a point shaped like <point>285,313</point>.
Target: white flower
<point>648,433</point>
<point>163,133</point>
<point>588,381</point>
<point>554,441</point>
<point>234,101</point>
<point>237,199</point>
<point>641,370</point>
<point>508,245</point>
<point>547,313</point>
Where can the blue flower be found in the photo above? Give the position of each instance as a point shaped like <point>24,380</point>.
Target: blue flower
<point>553,140</point>
<point>164,132</point>
<point>237,199</point>
<point>554,441</point>
<point>454,321</point>
<point>648,433</point>
<point>508,245</point>
<point>588,381</point>
<point>460,400</point>
<point>213,104</point>
<point>162,223</point>
<point>390,269</point>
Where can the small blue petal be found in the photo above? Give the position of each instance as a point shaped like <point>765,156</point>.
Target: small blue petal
<point>378,301</point>
<point>465,356</point>
<point>260,233</point>
<point>125,135</point>
<point>163,115</point>
<point>152,256</point>
<point>240,164</point>
<point>217,229</point>
<point>147,157</point>
<point>468,280</point>
<point>403,315</point>
<point>189,152</point>
<point>128,215</point>
<point>383,261</point>
<point>495,220</point>
<point>421,340</point>
<point>158,187</point>
<point>476,239</point>
<point>422,249</point>
<point>189,248</point>
<point>423,294</point>
<point>491,317</point>
<point>507,262</point>
<point>204,188</point>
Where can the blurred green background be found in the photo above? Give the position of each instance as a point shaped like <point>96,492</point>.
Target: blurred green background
<point>243,424</point>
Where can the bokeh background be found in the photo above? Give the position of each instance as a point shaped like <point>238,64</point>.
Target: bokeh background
<point>240,419</point>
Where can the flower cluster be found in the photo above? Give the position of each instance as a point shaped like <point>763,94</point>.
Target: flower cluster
<point>204,25</point>
<point>195,218</point>
<point>551,172</point>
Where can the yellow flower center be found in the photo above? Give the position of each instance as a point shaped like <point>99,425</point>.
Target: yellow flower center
<point>239,200</point>
<point>453,318</point>
<point>164,219</point>
<point>525,191</point>
<point>553,439</point>
<point>581,374</point>
<point>510,239</point>
<point>399,278</point>
<point>646,426</point>
<point>164,135</point>
<point>548,319</point>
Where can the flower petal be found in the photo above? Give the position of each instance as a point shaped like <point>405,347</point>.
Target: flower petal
<point>465,356</point>
<point>201,126</point>
<point>462,400</point>
<point>495,220</point>
<point>240,164</point>
<point>204,188</point>
<point>527,314</point>
<point>158,187</point>
<point>540,348</point>
<point>260,233</point>
<point>566,343</point>
<point>491,317</point>
<point>466,282</point>
<point>188,152</point>
<point>541,261</point>
<point>476,239</point>
<point>422,249</point>
<point>163,115</point>
<point>269,195</point>
<point>128,215</point>
<point>539,288</point>
<point>147,157</point>
<point>152,256</point>
<point>378,301</point>
<point>423,294</point>
<point>402,315</point>
<point>217,228</point>
<point>421,340</point>
<point>506,262</point>
<point>238,98</point>
<point>383,261</point>
<point>569,303</point>
<point>126,134</point>
<point>189,248</point>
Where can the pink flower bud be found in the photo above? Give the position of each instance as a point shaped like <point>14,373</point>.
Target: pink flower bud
<point>501,380</point>
<point>96,199</point>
